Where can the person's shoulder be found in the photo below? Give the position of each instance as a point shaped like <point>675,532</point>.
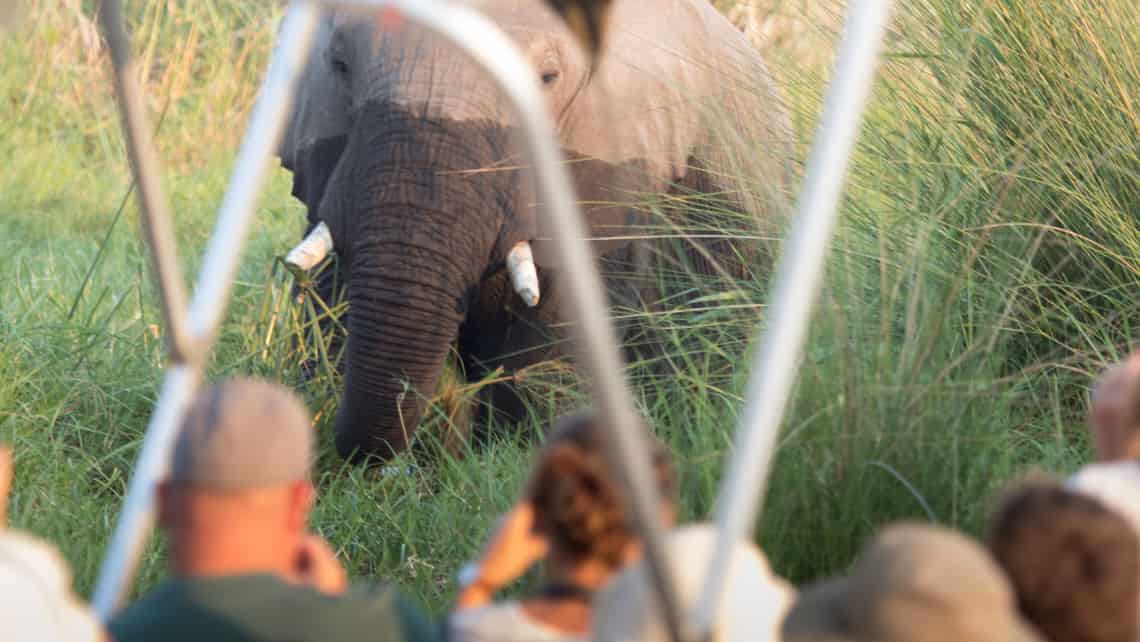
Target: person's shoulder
<point>268,608</point>
<point>496,621</point>
<point>499,622</point>
<point>235,607</point>
<point>495,612</point>
<point>376,612</point>
<point>139,620</point>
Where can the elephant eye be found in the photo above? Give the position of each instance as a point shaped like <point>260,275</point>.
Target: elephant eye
<point>549,77</point>
<point>339,65</point>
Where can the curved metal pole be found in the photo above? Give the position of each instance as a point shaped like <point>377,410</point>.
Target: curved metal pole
<point>599,348</point>
<point>157,222</point>
<point>490,48</point>
<point>798,280</point>
<point>211,297</point>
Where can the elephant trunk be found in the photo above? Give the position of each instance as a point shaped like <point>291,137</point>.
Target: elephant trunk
<point>417,231</point>
<point>399,334</point>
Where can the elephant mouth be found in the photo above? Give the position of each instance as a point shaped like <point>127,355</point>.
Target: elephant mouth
<point>317,245</point>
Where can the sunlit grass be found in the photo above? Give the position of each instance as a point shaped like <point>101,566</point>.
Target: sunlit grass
<point>986,266</point>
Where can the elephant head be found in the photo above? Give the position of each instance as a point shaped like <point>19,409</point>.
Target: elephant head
<point>405,152</point>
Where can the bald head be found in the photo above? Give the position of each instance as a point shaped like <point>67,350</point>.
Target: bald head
<point>243,434</point>
<point>238,495</point>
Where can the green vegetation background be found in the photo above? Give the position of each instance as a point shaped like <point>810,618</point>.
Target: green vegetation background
<point>987,265</point>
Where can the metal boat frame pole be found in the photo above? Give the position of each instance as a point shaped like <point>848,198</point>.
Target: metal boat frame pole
<point>191,331</point>
<point>798,279</point>
<point>498,55</point>
<point>157,222</point>
<point>215,280</point>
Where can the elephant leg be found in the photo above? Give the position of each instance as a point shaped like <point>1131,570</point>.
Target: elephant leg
<point>634,295</point>
<point>503,403</point>
<point>723,256</point>
<point>706,208</point>
<point>502,338</point>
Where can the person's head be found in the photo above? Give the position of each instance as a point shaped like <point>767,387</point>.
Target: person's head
<point>913,583</point>
<point>238,494</point>
<point>1072,562</point>
<point>1114,415</point>
<point>579,506</point>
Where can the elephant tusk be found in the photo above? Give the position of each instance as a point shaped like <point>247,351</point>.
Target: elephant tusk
<point>312,250</point>
<point>524,276</point>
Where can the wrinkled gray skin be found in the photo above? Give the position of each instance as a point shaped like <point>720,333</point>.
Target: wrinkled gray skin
<point>390,132</point>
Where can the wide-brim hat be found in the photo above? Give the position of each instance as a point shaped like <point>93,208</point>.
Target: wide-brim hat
<point>913,582</point>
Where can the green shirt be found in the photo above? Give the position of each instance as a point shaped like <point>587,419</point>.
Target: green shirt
<point>265,608</point>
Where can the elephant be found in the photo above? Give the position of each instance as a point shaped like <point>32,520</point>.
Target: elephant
<point>405,156</point>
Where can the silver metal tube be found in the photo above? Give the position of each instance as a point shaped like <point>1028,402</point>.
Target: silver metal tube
<point>798,279</point>
<point>501,58</point>
<point>210,300</point>
<point>266,127</point>
<point>157,222</point>
<point>137,516</point>
<point>599,347</point>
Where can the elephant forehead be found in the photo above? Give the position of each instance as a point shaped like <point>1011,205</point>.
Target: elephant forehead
<point>663,77</point>
<point>418,70</point>
<point>517,13</point>
<point>507,14</point>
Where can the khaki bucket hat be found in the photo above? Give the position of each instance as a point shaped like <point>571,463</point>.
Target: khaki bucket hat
<point>914,583</point>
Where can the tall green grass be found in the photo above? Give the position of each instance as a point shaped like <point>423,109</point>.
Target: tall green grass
<point>987,264</point>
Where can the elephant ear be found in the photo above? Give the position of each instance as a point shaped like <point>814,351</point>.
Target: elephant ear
<point>679,92</point>
<point>318,125</point>
<point>745,147</point>
<point>587,19</point>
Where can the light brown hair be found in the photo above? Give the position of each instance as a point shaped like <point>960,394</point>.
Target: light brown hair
<point>1073,563</point>
<point>578,504</point>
